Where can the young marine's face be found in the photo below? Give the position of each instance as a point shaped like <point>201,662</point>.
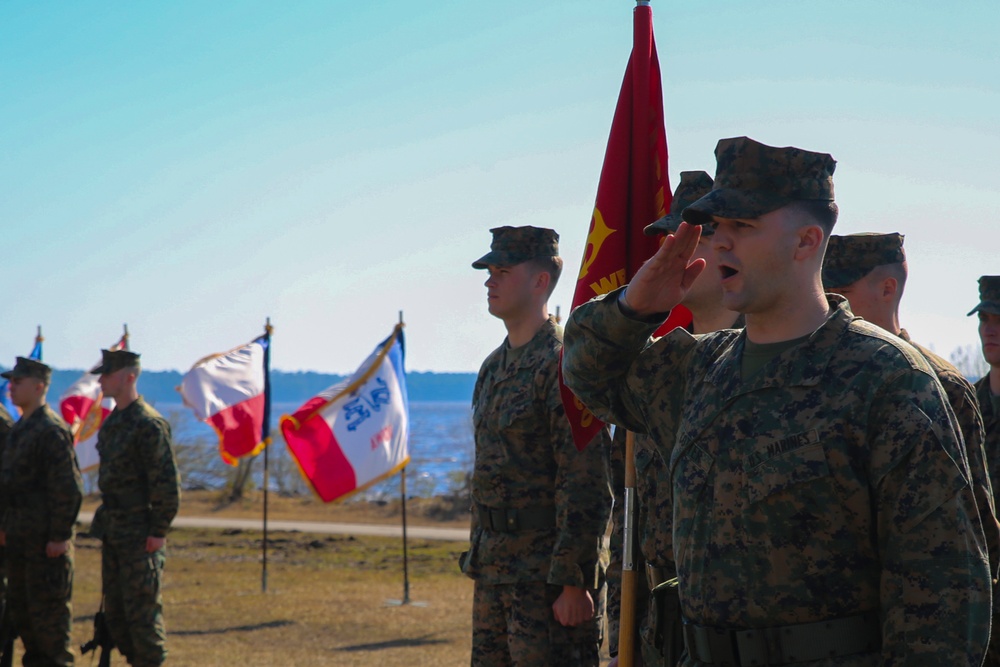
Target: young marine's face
<point>25,390</point>
<point>989,335</point>
<point>113,383</point>
<point>863,296</point>
<point>508,290</point>
<point>754,258</point>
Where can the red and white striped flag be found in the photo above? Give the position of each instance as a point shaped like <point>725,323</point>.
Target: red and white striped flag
<point>229,392</point>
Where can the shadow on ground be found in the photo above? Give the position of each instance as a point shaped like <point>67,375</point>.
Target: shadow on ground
<point>236,628</point>
<point>394,643</point>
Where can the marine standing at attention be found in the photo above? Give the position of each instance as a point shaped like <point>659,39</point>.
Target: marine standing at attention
<point>822,510</point>
<point>42,488</point>
<point>988,395</point>
<point>652,481</point>
<point>6,638</point>
<point>140,495</point>
<point>541,508</point>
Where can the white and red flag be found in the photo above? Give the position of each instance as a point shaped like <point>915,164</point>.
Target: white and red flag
<point>355,433</point>
<point>85,407</point>
<point>229,391</point>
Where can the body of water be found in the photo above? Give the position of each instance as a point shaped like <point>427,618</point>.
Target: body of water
<point>441,451</point>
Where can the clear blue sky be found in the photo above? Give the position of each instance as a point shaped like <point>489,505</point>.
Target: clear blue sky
<point>191,168</point>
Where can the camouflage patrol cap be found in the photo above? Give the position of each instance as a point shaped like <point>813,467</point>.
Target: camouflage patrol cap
<point>850,258</point>
<point>693,186</point>
<point>112,360</point>
<point>29,368</point>
<point>513,245</point>
<point>989,296</point>
<point>752,179</point>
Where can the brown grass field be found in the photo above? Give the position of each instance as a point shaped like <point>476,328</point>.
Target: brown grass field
<point>326,602</point>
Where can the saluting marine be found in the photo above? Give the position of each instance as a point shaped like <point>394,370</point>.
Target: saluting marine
<point>822,510</point>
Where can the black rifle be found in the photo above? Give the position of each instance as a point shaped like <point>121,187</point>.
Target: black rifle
<point>101,640</point>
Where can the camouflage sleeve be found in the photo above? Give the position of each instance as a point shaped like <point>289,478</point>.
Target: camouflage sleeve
<point>963,401</point>
<point>64,485</point>
<point>935,591</point>
<point>164,481</point>
<point>604,364</point>
<point>582,501</point>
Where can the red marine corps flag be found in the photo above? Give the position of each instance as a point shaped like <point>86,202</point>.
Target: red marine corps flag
<point>634,190</point>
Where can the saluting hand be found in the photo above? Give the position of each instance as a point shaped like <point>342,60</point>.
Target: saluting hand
<point>661,283</point>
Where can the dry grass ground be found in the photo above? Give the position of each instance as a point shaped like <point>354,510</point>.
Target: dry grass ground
<point>326,598</point>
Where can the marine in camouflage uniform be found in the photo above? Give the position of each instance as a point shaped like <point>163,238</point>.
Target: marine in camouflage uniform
<point>988,395</point>
<point>822,513</point>
<point>140,494</point>
<point>6,637</point>
<point>655,561</point>
<point>43,490</point>
<point>541,508</point>
<point>870,271</point>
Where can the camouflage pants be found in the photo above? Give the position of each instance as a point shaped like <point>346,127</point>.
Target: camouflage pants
<point>513,626</point>
<point>39,589</point>
<point>133,605</point>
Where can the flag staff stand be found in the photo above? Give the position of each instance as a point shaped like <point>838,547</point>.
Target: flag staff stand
<point>406,563</point>
<point>267,441</point>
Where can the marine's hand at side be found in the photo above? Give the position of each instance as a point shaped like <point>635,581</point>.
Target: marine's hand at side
<point>573,606</point>
<point>661,283</point>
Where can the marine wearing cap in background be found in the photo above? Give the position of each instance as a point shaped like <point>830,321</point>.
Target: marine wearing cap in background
<point>870,270</point>
<point>113,360</point>
<point>776,482</point>
<point>513,245</point>
<point>693,186</point>
<point>850,258</point>
<point>537,550</point>
<point>42,490</point>
<point>140,495</point>
<point>29,368</point>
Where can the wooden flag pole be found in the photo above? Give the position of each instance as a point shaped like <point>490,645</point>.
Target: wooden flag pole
<point>267,438</point>
<point>626,620</point>
<point>402,485</point>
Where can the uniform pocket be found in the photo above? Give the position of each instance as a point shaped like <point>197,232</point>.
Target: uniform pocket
<point>779,473</point>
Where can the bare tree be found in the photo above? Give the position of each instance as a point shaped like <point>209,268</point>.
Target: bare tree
<point>969,360</point>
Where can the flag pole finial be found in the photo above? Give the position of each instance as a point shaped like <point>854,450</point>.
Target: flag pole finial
<point>268,329</point>
<point>38,336</point>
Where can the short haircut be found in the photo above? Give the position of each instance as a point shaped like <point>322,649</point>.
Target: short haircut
<point>135,370</point>
<point>823,213</point>
<point>897,270</point>
<point>550,265</point>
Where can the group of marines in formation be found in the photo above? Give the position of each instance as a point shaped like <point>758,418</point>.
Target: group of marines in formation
<point>41,490</point>
<point>814,487</point>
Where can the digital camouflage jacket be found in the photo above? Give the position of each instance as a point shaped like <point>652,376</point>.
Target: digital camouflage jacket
<point>829,484</point>
<point>526,460</point>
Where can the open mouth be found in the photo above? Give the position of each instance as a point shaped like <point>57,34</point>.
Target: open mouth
<point>727,271</point>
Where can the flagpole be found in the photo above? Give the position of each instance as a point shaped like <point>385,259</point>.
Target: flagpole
<point>125,335</point>
<point>266,439</point>
<point>402,486</point>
